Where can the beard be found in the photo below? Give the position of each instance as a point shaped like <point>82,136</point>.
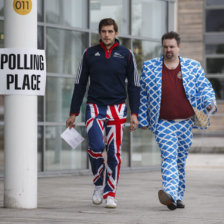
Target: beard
<point>108,43</point>
<point>169,55</point>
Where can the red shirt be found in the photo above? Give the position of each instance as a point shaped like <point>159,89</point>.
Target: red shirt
<point>174,103</point>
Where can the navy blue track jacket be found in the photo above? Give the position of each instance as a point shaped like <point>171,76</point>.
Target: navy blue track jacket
<point>107,72</point>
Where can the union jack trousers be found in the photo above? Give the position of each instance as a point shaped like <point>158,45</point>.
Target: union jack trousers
<point>109,120</point>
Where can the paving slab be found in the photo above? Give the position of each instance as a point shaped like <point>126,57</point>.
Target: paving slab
<point>67,199</point>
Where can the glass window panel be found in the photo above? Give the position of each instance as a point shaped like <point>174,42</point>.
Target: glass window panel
<point>59,155</point>
<point>40,13</point>
<point>40,108</point>
<point>218,85</point>
<point>40,148</point>
<point>40,37</point>
<point>215,65</point>
<point>145,50</point>
<point>215,20</point>
<point>214,2</point>
<point>58,99</point>
<point>125,42</point>
<point>215,48</point>
<point>64,50</point>
<point>214,38</point>
<point>67,13</point>
<point>149,18</point>
<point>145,151</point>
<point>125,148</point>
<point>115,9</point>
<point>1,7</point>
<point>1,150</point>
<point>95,39</point>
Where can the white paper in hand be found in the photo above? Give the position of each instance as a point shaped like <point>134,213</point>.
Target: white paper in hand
<point>72,137</point>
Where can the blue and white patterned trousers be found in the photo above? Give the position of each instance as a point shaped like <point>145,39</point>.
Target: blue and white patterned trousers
<point>174,139</point>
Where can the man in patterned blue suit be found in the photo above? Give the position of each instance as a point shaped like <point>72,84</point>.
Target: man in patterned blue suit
<point>175,97</point>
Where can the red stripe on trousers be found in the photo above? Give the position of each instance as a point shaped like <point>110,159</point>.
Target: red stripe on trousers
<point>110,183</point>
<point>112,194</point>
<point>96,155</point>
<point>94,180</point>
<point>112,135</point>
<point>118,121</point>
<point>113,112</point>
<point>91,119</point>
<point>119,108</point>
<point>95,109</point>
<point>118,143</point>
<point>100,122</point>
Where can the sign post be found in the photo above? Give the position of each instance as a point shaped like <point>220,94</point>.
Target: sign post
<point>21,82</point>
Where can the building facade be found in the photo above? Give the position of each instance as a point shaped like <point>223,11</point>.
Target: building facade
<point>64,31</point>
<point>201,25</point>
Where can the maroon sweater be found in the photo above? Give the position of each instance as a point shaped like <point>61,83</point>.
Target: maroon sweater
<point>174,103</point>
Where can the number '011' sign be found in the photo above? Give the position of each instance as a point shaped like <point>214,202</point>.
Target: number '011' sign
<point>22,7</point>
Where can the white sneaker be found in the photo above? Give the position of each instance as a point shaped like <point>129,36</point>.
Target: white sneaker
<point>98,195</point>
<point>111,202</point>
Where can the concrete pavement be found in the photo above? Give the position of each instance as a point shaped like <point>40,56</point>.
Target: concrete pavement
<point>68,199</point>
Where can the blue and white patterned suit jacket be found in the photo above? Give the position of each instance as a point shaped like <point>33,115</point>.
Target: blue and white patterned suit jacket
<point>198,89</point>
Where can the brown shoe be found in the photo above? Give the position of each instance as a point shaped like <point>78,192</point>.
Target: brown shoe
<point>166,199</point>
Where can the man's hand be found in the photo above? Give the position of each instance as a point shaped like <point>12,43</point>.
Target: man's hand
<point>70,122</point>
<point>209,107</point>
<point>134,122</point>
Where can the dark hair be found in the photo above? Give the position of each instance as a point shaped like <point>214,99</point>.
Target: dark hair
<point>108,22</point>
<point>171,35</point>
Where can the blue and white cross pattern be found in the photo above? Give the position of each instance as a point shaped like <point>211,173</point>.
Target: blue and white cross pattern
<point>198,90</point>
<point>174,139</point>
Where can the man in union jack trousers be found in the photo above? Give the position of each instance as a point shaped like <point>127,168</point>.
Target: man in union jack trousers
<point>107,66</point>
<point>175,96</point>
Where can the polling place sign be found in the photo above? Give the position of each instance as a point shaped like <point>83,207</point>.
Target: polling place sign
<point>22,71</point>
